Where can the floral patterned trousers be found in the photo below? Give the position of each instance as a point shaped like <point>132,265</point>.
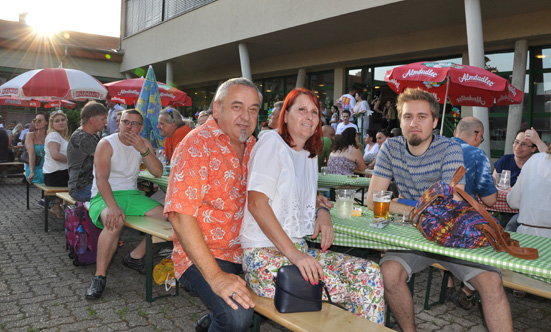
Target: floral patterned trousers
<point>355,283</point>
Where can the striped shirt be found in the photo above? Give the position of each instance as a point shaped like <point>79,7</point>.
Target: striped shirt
<point>415,174</point>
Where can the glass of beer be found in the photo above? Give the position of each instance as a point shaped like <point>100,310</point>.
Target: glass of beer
<point>381,203</point>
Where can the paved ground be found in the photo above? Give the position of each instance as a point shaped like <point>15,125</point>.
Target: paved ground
<point>40,289</point>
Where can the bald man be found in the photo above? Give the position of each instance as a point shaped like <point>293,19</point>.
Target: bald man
<point>478,176</point>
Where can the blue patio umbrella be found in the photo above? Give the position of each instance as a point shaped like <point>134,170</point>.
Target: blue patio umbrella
<point>149,104</point>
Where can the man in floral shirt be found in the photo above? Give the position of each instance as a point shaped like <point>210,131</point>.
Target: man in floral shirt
<point>205,200</point>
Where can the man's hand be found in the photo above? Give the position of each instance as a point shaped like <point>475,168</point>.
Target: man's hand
<point>225,284</point>
<point>137,142</point>
<point>113,217</point>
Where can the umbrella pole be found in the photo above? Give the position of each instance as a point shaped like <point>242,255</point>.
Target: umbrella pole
<point>445,103</point>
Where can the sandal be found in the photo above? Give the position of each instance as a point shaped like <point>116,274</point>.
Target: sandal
<point>57,212</point>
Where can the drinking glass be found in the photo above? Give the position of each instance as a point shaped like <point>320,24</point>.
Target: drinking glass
<point>381,203</point>
<point>345,201</point>
<point>505,180</point>
<point>324,170</point>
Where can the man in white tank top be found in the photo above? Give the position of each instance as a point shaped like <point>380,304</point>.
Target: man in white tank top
<point>115,194</point>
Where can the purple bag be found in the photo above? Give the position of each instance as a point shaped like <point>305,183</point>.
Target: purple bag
<point>81,235</point>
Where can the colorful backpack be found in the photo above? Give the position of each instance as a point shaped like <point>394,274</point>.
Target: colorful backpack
<point>461,224</point>
<point>81,235</point>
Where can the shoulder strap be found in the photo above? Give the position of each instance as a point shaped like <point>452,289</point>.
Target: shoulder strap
<point>457,176</point>
<point>498,238</point>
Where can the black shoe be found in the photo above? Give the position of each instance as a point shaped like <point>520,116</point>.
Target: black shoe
<point>134,264</point>
<point>96,288</point>
<point>203,323</point>
<point>462,300</point>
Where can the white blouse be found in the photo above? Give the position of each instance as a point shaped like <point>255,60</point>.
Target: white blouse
<point>531,194</point>
<point>50,164</point>
<point>289,178</point>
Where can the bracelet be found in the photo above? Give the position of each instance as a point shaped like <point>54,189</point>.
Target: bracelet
<point>321,208</point>
<point>146,153</point>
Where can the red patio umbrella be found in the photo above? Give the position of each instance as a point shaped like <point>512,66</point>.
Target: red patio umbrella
<point>58,83</point>
<point>128,91</point>
<point>463,85</point>
<point>52,103</point>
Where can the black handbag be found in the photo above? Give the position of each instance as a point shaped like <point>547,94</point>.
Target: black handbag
<point>294,294</point>
<point>24,157</point>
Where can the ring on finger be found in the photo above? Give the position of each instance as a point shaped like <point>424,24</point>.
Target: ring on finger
<point>232,295</point>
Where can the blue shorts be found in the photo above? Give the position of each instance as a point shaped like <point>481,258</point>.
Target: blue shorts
<point>132,203</point>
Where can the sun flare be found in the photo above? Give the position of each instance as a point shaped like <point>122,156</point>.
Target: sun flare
<point>42,24</point>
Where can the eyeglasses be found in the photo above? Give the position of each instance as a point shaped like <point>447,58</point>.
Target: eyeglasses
<point>524,145</point>
<point>37,120</point>
<point>169,111</point>
<point>481,136</point>
<point>131,123</point>
<point>57,112</point>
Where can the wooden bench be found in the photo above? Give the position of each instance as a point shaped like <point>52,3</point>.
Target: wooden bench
<point>155,230</point>
<point>330,318</point>
<point>47,192</point>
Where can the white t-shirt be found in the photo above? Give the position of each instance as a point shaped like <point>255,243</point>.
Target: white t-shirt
<point>370,153</point>
<point>289,178</point>
<point>531,195</point>
<point>50,164</point>
<point>341,127</point>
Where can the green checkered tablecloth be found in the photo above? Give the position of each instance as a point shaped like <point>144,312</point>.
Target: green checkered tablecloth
<point>335,181</point>
<point>146,176</point>
<point>355,232</point>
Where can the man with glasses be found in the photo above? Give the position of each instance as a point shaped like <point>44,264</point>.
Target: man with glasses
<point>173,128</point>
<point>115,194</point>
<point>523,149</point>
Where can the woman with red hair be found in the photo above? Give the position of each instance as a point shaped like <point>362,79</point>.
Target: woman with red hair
<point>282,210</point>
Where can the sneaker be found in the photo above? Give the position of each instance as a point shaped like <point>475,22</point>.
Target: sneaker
<point>134,264</point>
<point>167,253</point>
<point>41,202</point>
<point>462,300</point>
<point>203,323</point>
<point>96,288</point>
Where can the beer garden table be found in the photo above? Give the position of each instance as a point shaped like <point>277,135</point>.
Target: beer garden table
<point>146,176</point>
<point>336,181</point>
<point>356,232</point>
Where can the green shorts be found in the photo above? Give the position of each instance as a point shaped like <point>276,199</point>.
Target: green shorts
<point>132,203</point>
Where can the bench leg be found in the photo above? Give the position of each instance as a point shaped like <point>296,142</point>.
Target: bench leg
<point>257,319</point>
<point>46,205</point>
<point>443,289</point>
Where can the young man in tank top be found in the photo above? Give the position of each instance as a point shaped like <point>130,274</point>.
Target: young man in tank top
<point>115,194</point>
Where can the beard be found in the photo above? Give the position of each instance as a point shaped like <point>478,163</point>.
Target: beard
<point>243,136</point>
<point>415,141</point>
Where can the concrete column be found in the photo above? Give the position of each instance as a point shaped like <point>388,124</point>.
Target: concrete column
<point>475,43</point>
<point>519,75</point>
<point>169,74</point>
<point>245,63</point>
<point>301,78</point>
<point>339,85</point>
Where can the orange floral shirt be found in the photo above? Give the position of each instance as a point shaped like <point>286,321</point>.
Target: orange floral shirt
<point>207,181</point>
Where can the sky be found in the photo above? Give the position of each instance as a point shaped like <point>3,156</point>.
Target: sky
<point>101,17</point>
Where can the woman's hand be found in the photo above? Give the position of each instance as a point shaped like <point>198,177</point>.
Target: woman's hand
<point>308,266</point>
<point>325,226</point>
<point>31,176</point>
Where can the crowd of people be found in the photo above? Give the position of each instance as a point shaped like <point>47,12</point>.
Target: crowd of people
<point>241,204</point>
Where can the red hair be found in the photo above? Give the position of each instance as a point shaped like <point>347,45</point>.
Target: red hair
<point>314,143</point>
